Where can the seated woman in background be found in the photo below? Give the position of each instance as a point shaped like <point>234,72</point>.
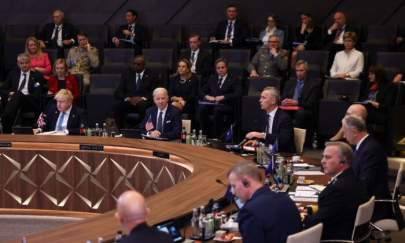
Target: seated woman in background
<point>348,63</point>
<point>183,87</point>
<point>39,60</point>
<point>62,80</point>
<point>381,96</point>
<point>270,30</point>
<point>307,37</point>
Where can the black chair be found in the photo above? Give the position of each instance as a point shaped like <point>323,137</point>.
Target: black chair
<point>116,60</point>
<point>251,118</point>
<point>348,90</point>
<point>99,107</point>
<point>391,60</point>
<point>381,34</point>
<point>53,55</point>
<point>11,51</point>
<point>331,113</point>
<point>317,60</point>
<point>203,30</point>
<point>166,36</point>
<point>20,32</point>
<point>97,35</point>
<point>256,85</point>
<point>104,83</point>
<point>159,58</point>
<point>237,58</point>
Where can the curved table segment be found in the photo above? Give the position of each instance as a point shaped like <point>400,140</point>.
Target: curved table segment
<point>54,173</point>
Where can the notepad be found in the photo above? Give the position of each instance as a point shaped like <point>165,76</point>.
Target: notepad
<point>305,173</point>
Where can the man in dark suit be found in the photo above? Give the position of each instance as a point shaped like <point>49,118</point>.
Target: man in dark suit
<point>334,35</point>
<point>134,91</point>
<point>130,35</point>
<point>339,201</point>
<point>58,34</point>
<point>162,120</point>
<point>304,93</point>
<point>62,117</point>
<point>370,164</point>
<point>200,59</point>
<point>277,125</point>
<point>132,213</point>
<point>24,90</point>
<point>266,216</point>
<point>231,32</point>
<point>219,97</point>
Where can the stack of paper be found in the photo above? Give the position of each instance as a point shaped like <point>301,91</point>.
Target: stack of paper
<point>305,194</point>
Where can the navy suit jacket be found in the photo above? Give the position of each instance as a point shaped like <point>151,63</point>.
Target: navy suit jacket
<point>231,89</point>
<point>37,86</point>
<point>370,167</point>
<point>146,234</point>
<point>337,206</point>
<point>127,87</point>
<point>282,131</point>
<point>171,123</point>
<point>268,217</point>
<point>241,32</point>
<point>68,33</point>
<point>73,123</point>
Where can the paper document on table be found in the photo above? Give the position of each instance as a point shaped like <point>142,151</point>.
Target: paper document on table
<point>305,165</point>
<point>319,188</point>
<point>304,199</point>
<point>306,194</point>
<point>53,133</point>
<point>305,188</point>
<point>305,173</point>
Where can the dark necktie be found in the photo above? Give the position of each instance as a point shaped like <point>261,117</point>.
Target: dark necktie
<point>337,35</point>
<point>192,57</point>
<point>298,90</point>
<point>23,82</point>
<point>159,125</point>
<point>220,82</point>
<point>229,30</point>
<point>131,29</point>
<point>137,80</point>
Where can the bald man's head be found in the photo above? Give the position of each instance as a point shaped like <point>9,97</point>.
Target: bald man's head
<point>131,209</point>
<point>357,110</point>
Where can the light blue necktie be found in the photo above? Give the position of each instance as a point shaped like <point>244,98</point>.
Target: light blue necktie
<point>60,122</point>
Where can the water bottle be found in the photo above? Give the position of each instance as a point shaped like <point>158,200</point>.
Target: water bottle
<point>118,236</point>
<point>194,223</point>
<point>183,135</point>
<point>194,137</point>
<point>104,131</point>
<point>97,129</point>
<point>315,141</point>
<point>200,138</point>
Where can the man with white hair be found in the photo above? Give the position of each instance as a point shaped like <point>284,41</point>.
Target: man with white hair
<point>132,213</point>
<point>58,34</point>
<point>162,120</point>
<point>370,164</point>
<point>25,89</point>
<point>277,128</point>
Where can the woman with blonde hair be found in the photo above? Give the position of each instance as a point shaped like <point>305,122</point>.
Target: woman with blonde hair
<point>39,60</point>
<point>62,79</point>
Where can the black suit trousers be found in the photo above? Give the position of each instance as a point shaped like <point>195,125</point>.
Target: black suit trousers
<point>27,103</point>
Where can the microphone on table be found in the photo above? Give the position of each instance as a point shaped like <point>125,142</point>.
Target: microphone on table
<point>243,141</point>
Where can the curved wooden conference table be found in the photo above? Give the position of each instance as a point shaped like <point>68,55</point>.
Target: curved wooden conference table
<point>53,173</point>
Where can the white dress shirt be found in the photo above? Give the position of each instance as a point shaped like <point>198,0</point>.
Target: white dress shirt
<point>270,124</point>
<point>232,30</point>
<point>223,78</point>
<point>27,78</point>
<point>361,141</point>
<point>194,62</point>
<point>351,62</point>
